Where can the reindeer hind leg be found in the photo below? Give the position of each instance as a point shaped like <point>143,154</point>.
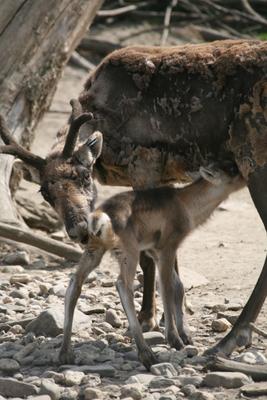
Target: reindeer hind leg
<point>128,264</point>
<point>147,314</point>
<point>241,334</point>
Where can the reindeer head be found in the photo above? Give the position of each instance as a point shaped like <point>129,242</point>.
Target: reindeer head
<point>65,176</point>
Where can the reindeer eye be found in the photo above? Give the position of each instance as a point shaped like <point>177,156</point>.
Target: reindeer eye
<point>46,195</point>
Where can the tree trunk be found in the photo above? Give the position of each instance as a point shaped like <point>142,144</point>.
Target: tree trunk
<point>36,39</point>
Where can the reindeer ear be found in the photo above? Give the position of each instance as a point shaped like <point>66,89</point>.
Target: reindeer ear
<point>95,143</point>
<point>211,174</point>
<point>90,150</point>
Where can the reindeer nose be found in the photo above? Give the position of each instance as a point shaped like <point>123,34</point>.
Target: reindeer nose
<point>78,232</point>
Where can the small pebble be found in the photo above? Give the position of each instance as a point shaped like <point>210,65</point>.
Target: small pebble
<point>113,319</point>
<point>220,325</point>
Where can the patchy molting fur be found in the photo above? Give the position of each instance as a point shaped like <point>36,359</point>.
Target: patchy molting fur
<point>176,108</point>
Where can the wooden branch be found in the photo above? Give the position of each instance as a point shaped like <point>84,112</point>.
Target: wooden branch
<point>50,245</point>
<point>102,47</point>
<point>258,330</point>
<point>77,60</point>
<point>252,12</point>
<point>237,13</point>
<point>121,10</point>
<point>211,34</point>
<point>257,372</point>
<point>167,20</point>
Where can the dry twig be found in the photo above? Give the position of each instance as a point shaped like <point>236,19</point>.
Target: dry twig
<point>81,62</point>
<point>258,330</point>
<point>167,20</point>
<point>252,12</point>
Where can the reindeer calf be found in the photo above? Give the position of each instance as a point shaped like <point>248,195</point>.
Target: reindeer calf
<point>155,221</point>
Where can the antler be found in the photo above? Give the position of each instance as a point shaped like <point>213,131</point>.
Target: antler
<point>13,148</point>
<point>76,121</point>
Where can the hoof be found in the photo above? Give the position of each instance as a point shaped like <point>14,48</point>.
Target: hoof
<point>186,338</point>
<point>175,341</point>
<point>236,338</point>
<point>148,324</point>
<point>148,358</point>
<point>66,357</point>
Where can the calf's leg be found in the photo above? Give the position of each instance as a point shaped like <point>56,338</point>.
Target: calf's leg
<point>147,314</point>
<point>179,298</point>
<point>88,262</point>
<point>128,264</point>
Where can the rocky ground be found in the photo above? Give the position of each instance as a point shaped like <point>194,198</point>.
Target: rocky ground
<point>106,366</point>
<point>219,265</point>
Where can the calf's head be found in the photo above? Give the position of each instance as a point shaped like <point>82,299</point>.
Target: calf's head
<point>65,175</point>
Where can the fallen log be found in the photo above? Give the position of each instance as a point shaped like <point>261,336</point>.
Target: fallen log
<point>257,372</point>
<point>52,246</point>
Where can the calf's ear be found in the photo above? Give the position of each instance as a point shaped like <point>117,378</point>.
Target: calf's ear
<point>88,152</point>
<point>210,174</point>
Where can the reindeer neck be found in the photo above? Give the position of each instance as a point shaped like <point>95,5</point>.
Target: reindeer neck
<point>201,198</point>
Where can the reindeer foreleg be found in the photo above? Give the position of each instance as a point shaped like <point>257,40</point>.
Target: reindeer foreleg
<point>89,261</point>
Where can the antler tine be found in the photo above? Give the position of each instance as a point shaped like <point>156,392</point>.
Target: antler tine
<point>13,148</point>
<point>76,108</point>
<point>77,120</point>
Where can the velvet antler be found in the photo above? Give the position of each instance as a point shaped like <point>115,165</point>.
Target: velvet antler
<point>76,121</point>
<point>13,148</point>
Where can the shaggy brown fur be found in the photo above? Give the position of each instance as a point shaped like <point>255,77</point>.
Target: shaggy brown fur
<point>170,110</point>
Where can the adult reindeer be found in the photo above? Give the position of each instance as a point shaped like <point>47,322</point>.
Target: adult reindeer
<point>164,112</point>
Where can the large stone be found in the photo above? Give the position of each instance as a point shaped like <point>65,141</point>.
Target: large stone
<point>133,391</point>
<point>164,369</point>
<point>104,370</point>
<point>160,383</point>
<point>20,279</point>
<point>10,387</point>
<point>200,395</point>
<point>168,396</point>
<point>220,325</point>
<point>195,380</point>
<point>145,379</point>
<point>17,258</point>
<point>93,394</point>
<point>255,389</point>
<point>251,357</point>
<point>113,319</point>
<point>153,338</point>
<point>12,269</point>
<point>9,366</point>
<point>227,380</point>
<point>72,378</point>
<point>51,388</point>
<point>51,322</point>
